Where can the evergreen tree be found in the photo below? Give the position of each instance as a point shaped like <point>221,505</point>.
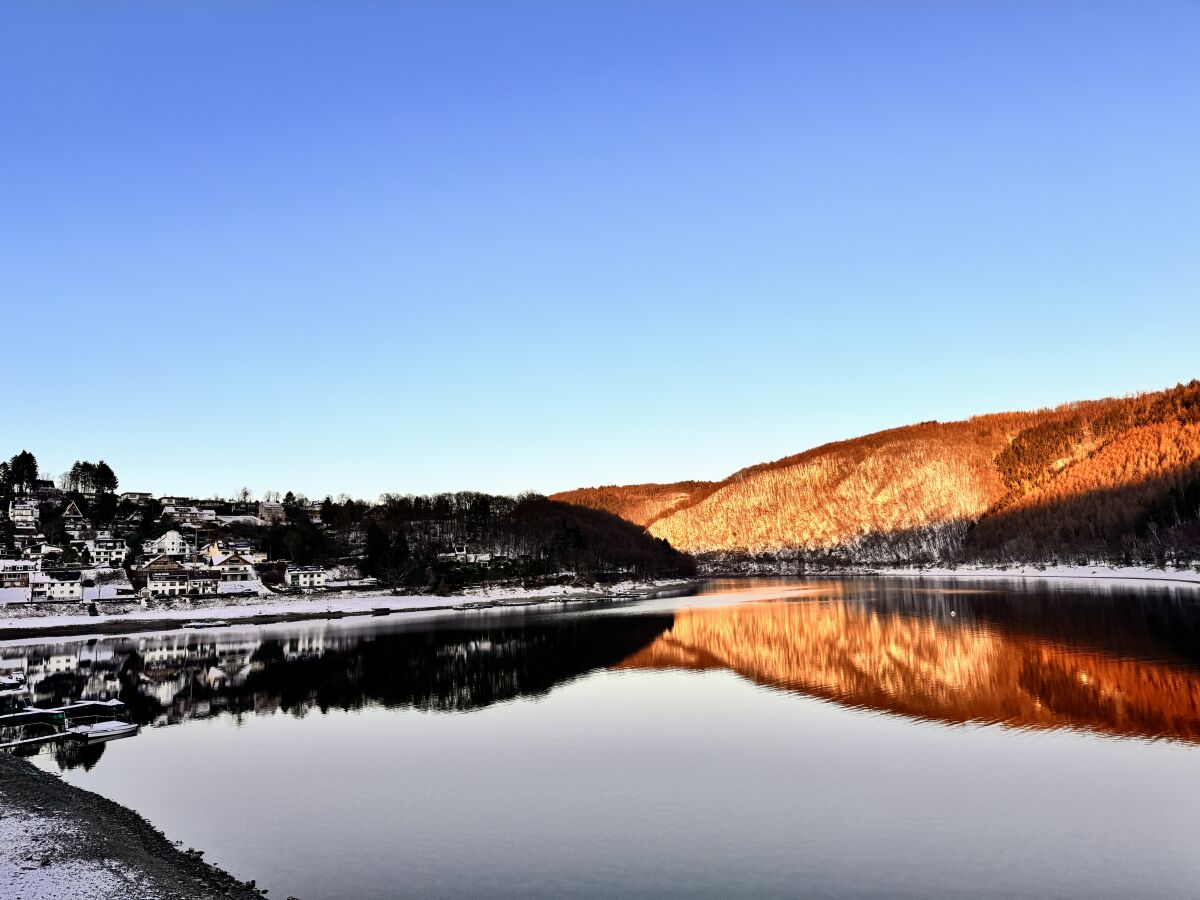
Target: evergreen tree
<point>23,470</point>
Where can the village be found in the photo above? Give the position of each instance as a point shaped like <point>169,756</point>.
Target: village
<point>78,541</point>
<point>193,556</point>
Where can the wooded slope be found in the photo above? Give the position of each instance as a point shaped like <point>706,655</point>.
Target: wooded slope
<point>637,503</point>
<point>1114,476</point>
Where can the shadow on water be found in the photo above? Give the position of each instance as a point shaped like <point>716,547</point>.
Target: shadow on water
<point>171,678</point>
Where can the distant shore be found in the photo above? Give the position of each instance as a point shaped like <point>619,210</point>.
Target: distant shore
<point>1133,575</point>
<point>266,610</point>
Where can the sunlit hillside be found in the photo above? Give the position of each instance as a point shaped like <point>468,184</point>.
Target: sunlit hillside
<point>842,494</point>
<point>1109,477</point>
<point>638,503</point>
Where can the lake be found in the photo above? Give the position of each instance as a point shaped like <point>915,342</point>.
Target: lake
<point>858,737</point>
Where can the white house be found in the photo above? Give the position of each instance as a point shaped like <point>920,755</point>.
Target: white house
<point>23,515</point>
<point>109,551</point>
<point>141,498</point>
<point>304,576</point>
<point>232,567</point>
<point>41,551</point>
<point>170,544</point>
<point>60,585</point>
<point>175,584</point>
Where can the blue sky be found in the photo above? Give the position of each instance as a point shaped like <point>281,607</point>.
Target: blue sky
<point>412,247</point>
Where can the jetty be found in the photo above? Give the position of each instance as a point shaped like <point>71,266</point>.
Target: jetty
<point>88,722</point>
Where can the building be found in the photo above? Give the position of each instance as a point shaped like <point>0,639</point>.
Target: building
<point>15,573</point>
<point>109,551</point>
<point>237,548</point>
<point>270,511</point>
<point>139,498</point>
<point>56,585</point>
<point>41,551</point>
<point>73,520</point>
<point>44,489</point>
<point>23,515</point>
<point>170,544</point>
<point>181,583</point>
<point>460,553</point>
<point>189,515</point>
<point>252,553</point>
<point>304,577</point>
<point>215,549</point>
<point>162,563</point>
<point>232,567</point>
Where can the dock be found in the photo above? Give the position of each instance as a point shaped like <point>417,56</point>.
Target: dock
<point>88,721</point>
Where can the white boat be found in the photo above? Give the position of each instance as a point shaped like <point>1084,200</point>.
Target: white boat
<point>213,623</point>
<point>95,732</point>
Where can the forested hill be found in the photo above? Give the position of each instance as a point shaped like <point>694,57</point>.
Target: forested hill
<point>1116,478</point>
<point>637,503</point>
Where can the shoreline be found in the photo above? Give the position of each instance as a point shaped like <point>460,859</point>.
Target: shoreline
<point>277,609</point>
<point>1120,574</point>
<point>58,840</point>
<point>1132,575</point>
<point>265,611</point>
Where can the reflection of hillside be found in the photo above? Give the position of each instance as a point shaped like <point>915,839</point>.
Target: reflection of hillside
<point>939,669</point>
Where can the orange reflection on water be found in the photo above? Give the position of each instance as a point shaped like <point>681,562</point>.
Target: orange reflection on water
<point>932,668</point>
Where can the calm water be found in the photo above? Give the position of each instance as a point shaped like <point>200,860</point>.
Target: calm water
<point>841,738</point>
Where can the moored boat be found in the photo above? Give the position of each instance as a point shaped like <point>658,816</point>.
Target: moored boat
<point>98,732</point>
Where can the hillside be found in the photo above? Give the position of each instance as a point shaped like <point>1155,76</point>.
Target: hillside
<point>1116,477</point>
<point>637,503</point>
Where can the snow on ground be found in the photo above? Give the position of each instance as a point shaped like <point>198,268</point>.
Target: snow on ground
<point>13,595</point>
<point>253,587</point>
<point>33,866</point>
<point>1188,578</point>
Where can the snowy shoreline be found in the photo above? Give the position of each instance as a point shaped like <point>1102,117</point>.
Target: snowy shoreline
<point>261,610</point>
<point>1122,574</point>
<point>1102,575</point>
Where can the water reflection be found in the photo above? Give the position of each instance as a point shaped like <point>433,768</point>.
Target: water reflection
<point>1118,662</point>
<point>169,679</point>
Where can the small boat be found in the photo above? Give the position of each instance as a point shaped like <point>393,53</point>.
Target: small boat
<point>333,613</point>
<point>97,732</point>
<point>211,623</point>
<point>381,611</point>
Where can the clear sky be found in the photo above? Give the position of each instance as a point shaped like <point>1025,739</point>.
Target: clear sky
<point>367,246</point>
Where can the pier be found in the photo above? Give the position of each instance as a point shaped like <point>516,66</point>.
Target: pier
<point>88,721</point>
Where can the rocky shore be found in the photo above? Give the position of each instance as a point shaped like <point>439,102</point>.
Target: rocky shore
<point>58,841</point>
